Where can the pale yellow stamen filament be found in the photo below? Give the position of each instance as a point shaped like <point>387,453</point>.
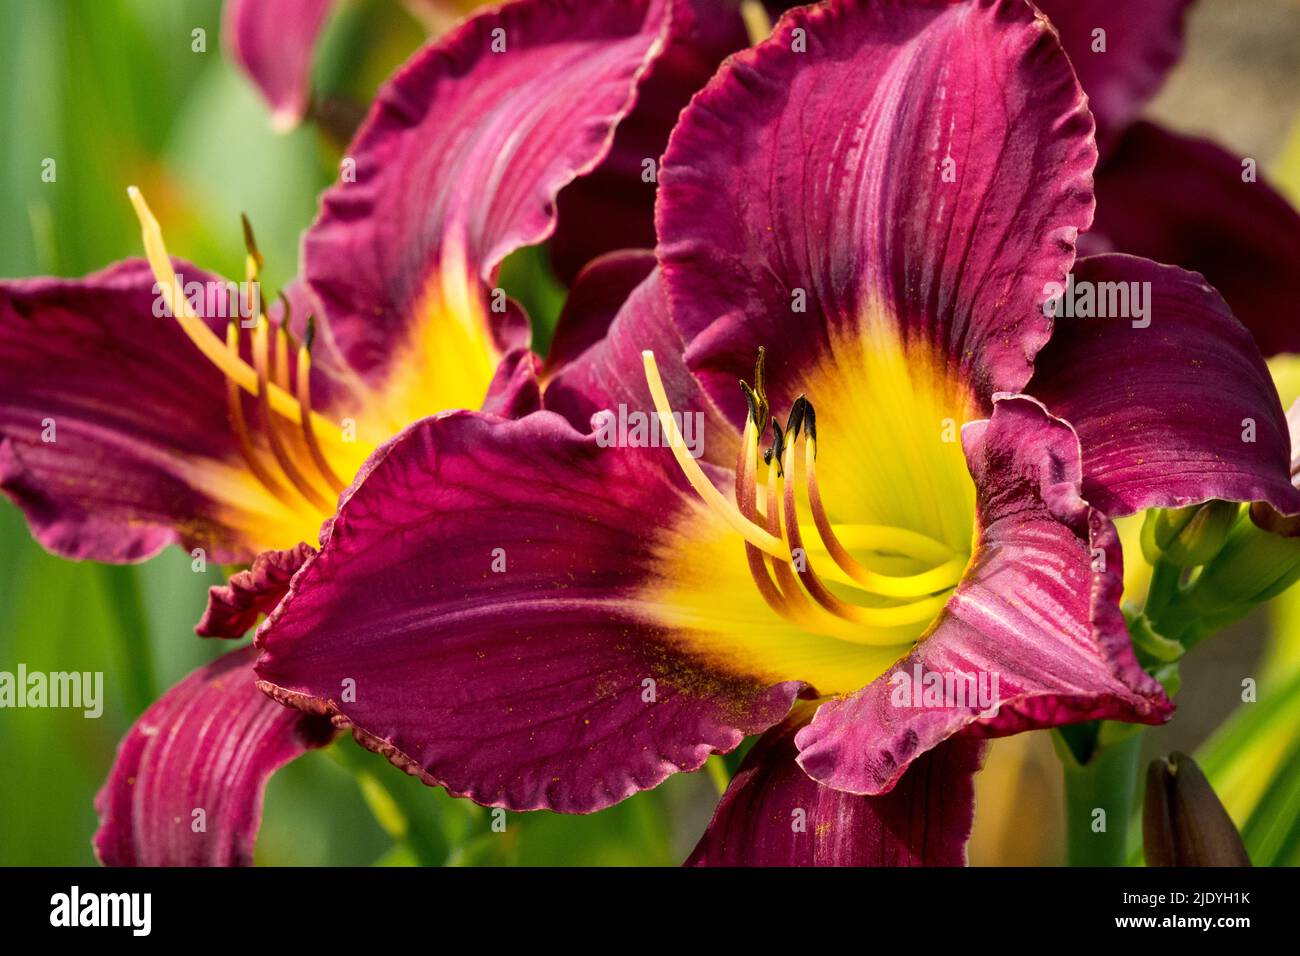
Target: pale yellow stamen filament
<point>746,500</point>
<point>945,575</point>
<point>280,375</point>
<point>804,611</point>
<point>238,424</point>
<point>695,474</point>
<point>268,378</point>
<point>160,263</point>
<point>757,23</point>
<point>917,612</point>
<point>308,433</point>
<point>282,358</point>
<point>786,596</point>
<point>296,478</point>
<point>234,368</point>
<point>939,578</point>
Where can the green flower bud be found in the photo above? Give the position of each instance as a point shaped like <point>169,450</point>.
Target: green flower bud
<point>1252,566</point>
<point>1183,822</point>
<point>1188,537</point>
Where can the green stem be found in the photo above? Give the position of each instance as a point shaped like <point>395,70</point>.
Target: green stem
<point>1108,781</point>
<point>126,604</point>
<point>1162,590</point>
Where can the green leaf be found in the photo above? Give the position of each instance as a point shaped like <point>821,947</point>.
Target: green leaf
<point>1253,763</point>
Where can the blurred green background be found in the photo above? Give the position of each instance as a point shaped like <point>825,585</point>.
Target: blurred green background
<point>114,92</point>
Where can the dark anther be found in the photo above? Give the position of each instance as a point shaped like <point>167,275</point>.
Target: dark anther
<point>777,449</point>
<point>795,421</point>
<point>810,423</point>
<point>751,400</point>
<point>250,243</point>
<point>286,317</point>
<point>757,396</point>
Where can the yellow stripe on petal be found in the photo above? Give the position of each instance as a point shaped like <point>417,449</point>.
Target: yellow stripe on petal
<point>247,507</point>
<point>889,423</point>
<point>449,358</point>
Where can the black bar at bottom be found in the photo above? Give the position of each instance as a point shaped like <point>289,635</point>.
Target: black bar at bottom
<point>579,907</point>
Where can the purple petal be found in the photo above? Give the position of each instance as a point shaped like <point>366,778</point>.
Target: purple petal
<point>209,744</point>
<point>142,454</point>
<point>1038,609</point>
<point>1181,200</point>
<point>774,814</point>
<point>515,390</point>
<point>1122,68</point>
<point>273,42</point>
<point>234,607</point>
<point>458,165</point>
<point>823,173</point>
<point>613,208</point>
<point>1163,413</point>
<point>610,373</point>
<point>474,616</point>
<point>595,298</point>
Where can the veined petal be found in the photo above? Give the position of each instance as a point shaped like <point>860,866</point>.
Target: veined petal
<point>1171,408</point>
<point>273,41</point>
<point>1122,66</point>
<point>482,589</point>
<point>234,607</point>
<point>202,752</point>
<point>613,208</point>
<point>1035,622</point>
<point>459,164</point>
<point>774,814</point>
<point>114,435</point>
<point>900,172</point>
<point>1241,235</point>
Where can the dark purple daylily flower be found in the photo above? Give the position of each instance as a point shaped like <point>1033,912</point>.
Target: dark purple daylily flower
<point>880,195</point>
<point>458,165</point>
<point>125,430</point>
